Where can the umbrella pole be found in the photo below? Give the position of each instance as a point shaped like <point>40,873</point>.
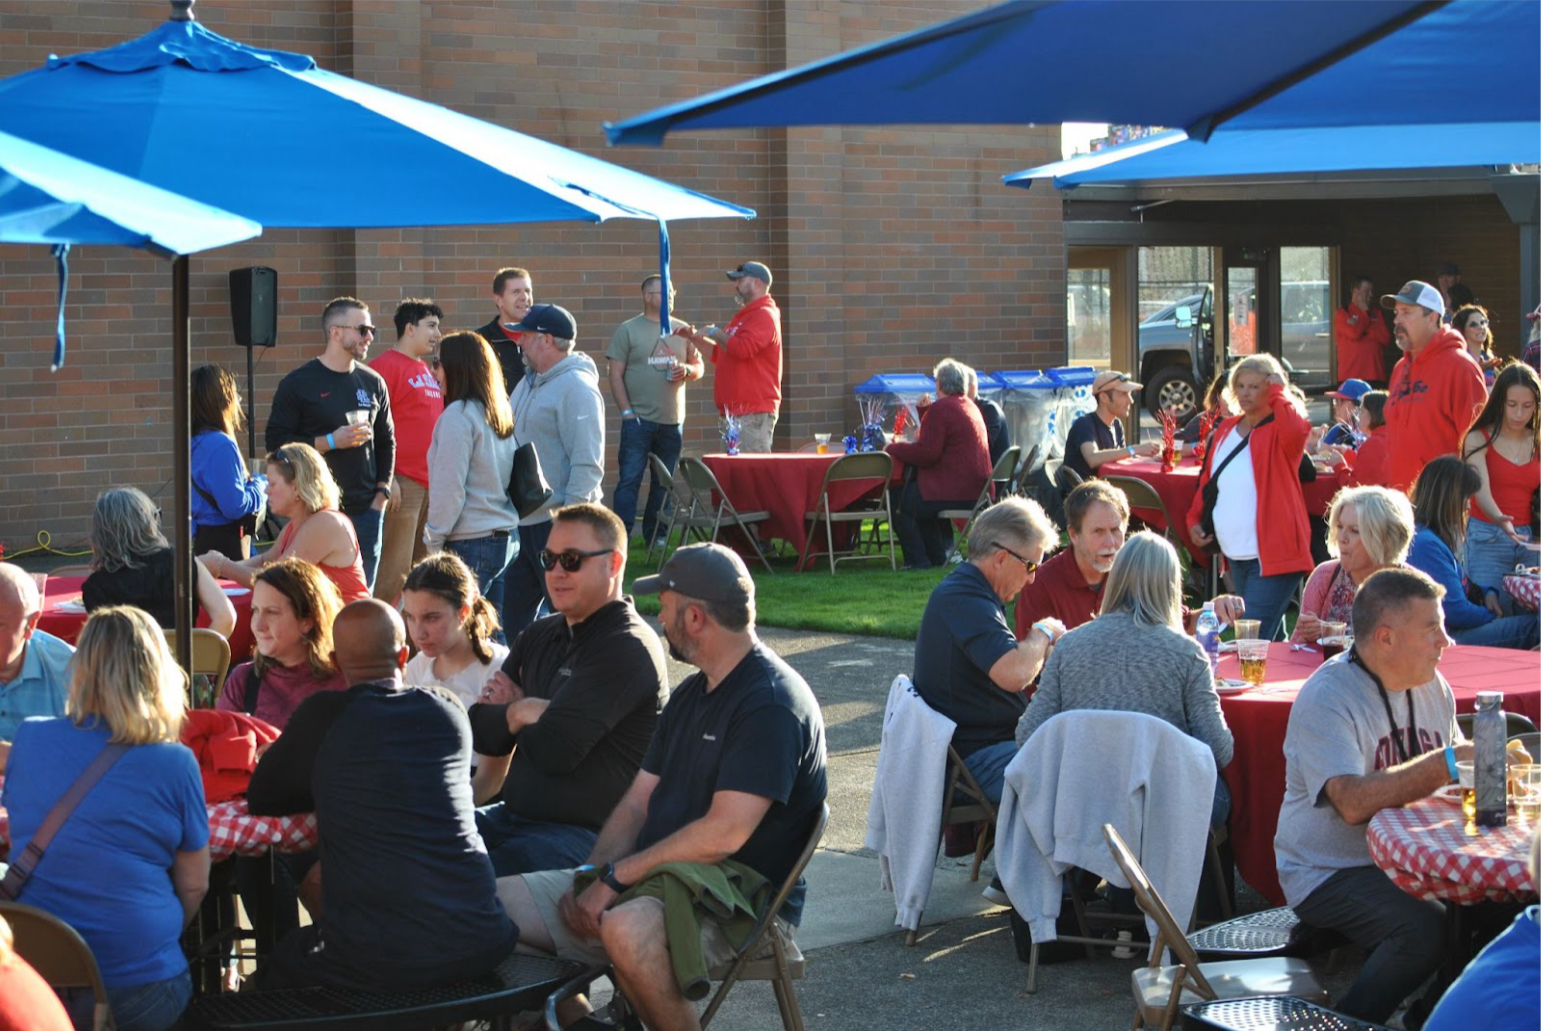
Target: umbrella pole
<point>181,456</point>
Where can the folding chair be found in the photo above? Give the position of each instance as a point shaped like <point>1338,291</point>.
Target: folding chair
<point>1159,990</point>
<point>1515,724</point>
<point>1143,495</point>
<point>872,465</point>
<point>74,569</point>
<point>1020,482</point>
<point>765,957</point>
<point>995,487</point>
<point>710,507</point>
<point>59,955</point>
<point>211,656</point>
<point>672,508</point>
<point>964,802</point>
<point>1271,1013</point>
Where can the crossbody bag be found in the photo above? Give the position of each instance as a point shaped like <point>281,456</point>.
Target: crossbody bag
<point>21,869</point>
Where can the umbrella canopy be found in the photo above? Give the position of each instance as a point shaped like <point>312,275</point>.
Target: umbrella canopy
<point>51,198</point>
<point>1233,152</point>
<point>1187,63</point>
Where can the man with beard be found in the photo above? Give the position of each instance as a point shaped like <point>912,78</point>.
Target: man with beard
<point>735,774</point>
<point>747,354</point>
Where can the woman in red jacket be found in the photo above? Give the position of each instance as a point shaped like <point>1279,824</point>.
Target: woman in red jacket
<point>951,458</point>
<point>1258,518</point>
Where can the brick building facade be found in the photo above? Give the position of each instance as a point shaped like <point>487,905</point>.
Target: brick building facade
<point>891,248</point>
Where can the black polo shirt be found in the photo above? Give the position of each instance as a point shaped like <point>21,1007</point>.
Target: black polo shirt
<point>1090,429</point>
<point>962,634</point>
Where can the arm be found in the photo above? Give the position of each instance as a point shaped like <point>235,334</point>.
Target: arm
<point>222,474</point>
<point>928,448</point>
<point>754,334</point>
<point>1016,669</point>
<point>1046,701</point>
<point>280,786</point>
<point>1201,706</point>
<point>487,781</point>
<point>1357,798</point>
<point>1477,459</point>
<point>190,881</point>
<point>1435,558</point>
<point>385,446</point>
<point>1290,427</point>
<point>617,374</point>
<point>449,465</point>
<point>1313,602</point>
<point>606,688</point>
<point>284,417</point>
<point>583,435</point>
<point>214,602</point>
<point>694,365</point>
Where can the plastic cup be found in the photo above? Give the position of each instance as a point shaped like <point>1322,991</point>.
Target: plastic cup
<point>358,417</point>
<point>41,579</point>
<point>1467,771</point>
<point>822,440</point>
<point>1253,654</point>
<point>1525,783</point>
<point>1248,628</point>
<point>1334,639</point>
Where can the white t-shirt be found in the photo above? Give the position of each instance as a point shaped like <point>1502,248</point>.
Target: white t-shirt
<point>467,684</point>
<point>1236,511</point>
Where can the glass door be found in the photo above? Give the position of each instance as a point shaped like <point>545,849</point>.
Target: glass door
<point>1244,315</point>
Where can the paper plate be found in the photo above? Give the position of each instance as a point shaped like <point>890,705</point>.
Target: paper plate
<point>1449,793</point>
<point>1229,687</point>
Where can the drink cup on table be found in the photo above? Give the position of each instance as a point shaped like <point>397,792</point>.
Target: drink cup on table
<point>1253,654</point>
<point>822,440</point>
<point>1248,628</point>
<point>1525,791</point>
<point>1334,639</point>
<point>1467,771</point>
<point>41,579</point>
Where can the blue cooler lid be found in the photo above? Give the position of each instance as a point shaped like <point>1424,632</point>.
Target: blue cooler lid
<point>898,383</point>
<point>1073,376</point>
<point>1025,379</point>
<point>989,381</point>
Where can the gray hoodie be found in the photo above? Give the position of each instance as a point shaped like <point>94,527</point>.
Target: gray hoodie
<point>562,413</point>
<point>468,470</point>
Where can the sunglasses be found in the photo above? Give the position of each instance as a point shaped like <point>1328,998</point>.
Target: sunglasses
<point>1031,567</point>
<point>363,330</point>
<point>570,561</point>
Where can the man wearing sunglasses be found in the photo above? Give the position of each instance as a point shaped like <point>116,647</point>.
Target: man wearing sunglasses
<point>342,408</point>
<point>575,702</point>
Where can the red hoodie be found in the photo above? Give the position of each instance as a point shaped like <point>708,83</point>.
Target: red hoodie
<point>748,374</point>
<point>1435,394</point>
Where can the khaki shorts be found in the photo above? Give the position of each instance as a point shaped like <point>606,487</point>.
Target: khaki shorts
<point>547,888</point>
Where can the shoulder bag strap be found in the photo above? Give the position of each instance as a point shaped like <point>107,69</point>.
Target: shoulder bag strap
<point>23,866</point>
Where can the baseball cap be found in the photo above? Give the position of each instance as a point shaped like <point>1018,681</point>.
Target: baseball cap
<point>1351,390</point>
<point>752,268</point>
<point>1110,380</point>
<point>1416,291</point>
<point>709,572</point>
<point>546,318</point>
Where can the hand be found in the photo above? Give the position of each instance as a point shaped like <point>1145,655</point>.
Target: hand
<point>524,712</point>
<point>1308,628</point>
<point>584,913</point>
<point>1507,522</point>
<point>1054,625</point>
<point>379,503</point>
<point>500,690</point>
<point>678,373</point>
<point>1314,439</point>
<point>1198,536</point>
<point>350,435</point>
<point>213,561</point>
<point>1331,456</point>
<point>1229,608</point>
<point>1149,449</point>
<point>1494,605</point>
<point>1278,379</point>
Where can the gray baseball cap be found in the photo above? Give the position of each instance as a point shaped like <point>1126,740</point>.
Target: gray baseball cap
<point>709,572</point>
<point>752,268</point>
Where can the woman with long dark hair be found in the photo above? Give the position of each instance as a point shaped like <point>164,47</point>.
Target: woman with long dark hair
<point>469,462</point>
<point>1474,612</point>
<point>1471,321</point>
<point>226,497</point>
<point>1503,447</point>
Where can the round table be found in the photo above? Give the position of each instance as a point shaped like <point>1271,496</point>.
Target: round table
<point>1428,852</point>
<point>1258,719</point>
<point>1525,589</point>
<point>63,614</point>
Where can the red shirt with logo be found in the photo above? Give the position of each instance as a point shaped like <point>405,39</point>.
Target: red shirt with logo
<point>415,405</point>
<point>748,375</point>
<point>1435,394</point>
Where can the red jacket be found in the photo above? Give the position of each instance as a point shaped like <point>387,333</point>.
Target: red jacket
<point>226,745</point>
<point>1435,394</point>
<point>1283,531</point>
<point>748,374</point>
<point>1360,336</point>
<point>951,455</point>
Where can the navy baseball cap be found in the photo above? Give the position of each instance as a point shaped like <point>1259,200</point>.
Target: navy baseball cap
<point>1351,390</point>
<point>546,318</point>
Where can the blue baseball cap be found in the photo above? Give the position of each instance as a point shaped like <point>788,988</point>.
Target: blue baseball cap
<point>546,318</point>
<point>1351,390</point>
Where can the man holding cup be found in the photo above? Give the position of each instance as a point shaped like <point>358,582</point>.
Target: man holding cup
<point>342,408</point>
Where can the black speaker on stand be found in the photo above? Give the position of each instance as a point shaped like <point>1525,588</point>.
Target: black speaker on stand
<point>254,318</point>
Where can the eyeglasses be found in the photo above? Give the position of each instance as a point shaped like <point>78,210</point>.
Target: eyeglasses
<point>570,561</point>
<point>363,329</point>
<point>1031,567</point>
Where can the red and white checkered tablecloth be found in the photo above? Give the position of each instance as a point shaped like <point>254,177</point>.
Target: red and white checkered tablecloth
<point>234,831</point>
<point>1426,850</point>
<point>1525,589</point>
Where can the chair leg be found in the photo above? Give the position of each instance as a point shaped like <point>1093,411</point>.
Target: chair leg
<point>1217,868</point>
<point>1032,969</point>
<point>786,1001</point>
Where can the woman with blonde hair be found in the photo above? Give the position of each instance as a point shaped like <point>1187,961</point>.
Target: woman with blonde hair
<point>226,498</point>
<point>130,863</point>
<point>1368,529</point>
<point>1249,506</point>
<point>131,563</point>
<point>301,489</point>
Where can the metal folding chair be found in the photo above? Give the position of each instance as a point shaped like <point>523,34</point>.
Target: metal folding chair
<point>1021,482</point>
<point>1143,495</point>
<point>995,487</point>
<point>211,659</point>
<point>709,506</point>
<point>671,509</point>
<point>964,802</point>
<point>59,954</point>
<point>872,465</point>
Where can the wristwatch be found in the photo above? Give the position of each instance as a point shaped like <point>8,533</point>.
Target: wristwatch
<point>386,490</point>
<point>611,881</point>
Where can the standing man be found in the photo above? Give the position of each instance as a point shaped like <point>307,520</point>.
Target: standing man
<point>1098,436</point>
<point>648,373</point>
<point>558,408</point>
<point>513,291</point>
<point>1371,729</point>
<point>315,405</point>
<point>416,402</point>
<point>748,358</point>
<point>1362,336</point>
<point>1436,388</point>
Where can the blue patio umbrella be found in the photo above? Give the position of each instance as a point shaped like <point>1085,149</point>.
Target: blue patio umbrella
<point>268,135</point>
<point>1192,64</point>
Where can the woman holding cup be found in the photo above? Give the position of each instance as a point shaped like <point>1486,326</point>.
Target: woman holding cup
<point>1368,529</point>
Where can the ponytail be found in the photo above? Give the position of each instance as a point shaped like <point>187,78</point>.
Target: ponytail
<point>480,625</point>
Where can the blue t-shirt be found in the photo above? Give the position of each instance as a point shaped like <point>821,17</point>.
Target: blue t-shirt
<point>108,871</point>
<point>1089,429</point>
<point>962,634</point>
<point>1500,990</point>
<point>41,686</point>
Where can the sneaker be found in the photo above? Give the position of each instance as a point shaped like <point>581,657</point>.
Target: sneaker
<point>995,893</point>
<point>1126,951</point>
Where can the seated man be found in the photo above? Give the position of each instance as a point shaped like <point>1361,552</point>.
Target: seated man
<point>968,666</point>
<point>735,772</point>
<point>32,663</point>
<point>1372,728</point>
<point>1068,586</point>
<point>1097,437</point>
<point>575,703</point>
<point>409,899</point>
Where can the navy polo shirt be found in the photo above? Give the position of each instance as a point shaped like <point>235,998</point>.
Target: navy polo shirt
<point>1089,429</point>
<point>962,634</point>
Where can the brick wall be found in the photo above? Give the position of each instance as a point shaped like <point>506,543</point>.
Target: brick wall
<point>891,248</point>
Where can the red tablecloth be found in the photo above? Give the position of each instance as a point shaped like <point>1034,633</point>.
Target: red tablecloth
<point>1525,589</point>
<point>786,486</point>
<point>65,623</point>
<point>1178,487</point>
<point>1258,719</point>
<point>1426,849</point>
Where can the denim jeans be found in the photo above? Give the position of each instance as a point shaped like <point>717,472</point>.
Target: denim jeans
<point>152,1006</point>
<point>923,536</point>
<point>367,525</point>
<point>517,845</point>
<point>1519,631</point>
<point>1491,554</point>
<point>524,582</point>
<point>640,438</point>
<point>1267,597</point>
<point>988,765</point>
<point>488,558</point>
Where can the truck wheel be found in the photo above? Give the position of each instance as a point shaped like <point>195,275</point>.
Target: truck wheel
<point>1172,388</point>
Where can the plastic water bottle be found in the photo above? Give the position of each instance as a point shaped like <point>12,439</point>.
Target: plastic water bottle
<point>1490,775</point>
<point>1209,635</point>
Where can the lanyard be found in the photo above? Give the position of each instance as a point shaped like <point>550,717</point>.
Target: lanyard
<point>1412,715</point>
